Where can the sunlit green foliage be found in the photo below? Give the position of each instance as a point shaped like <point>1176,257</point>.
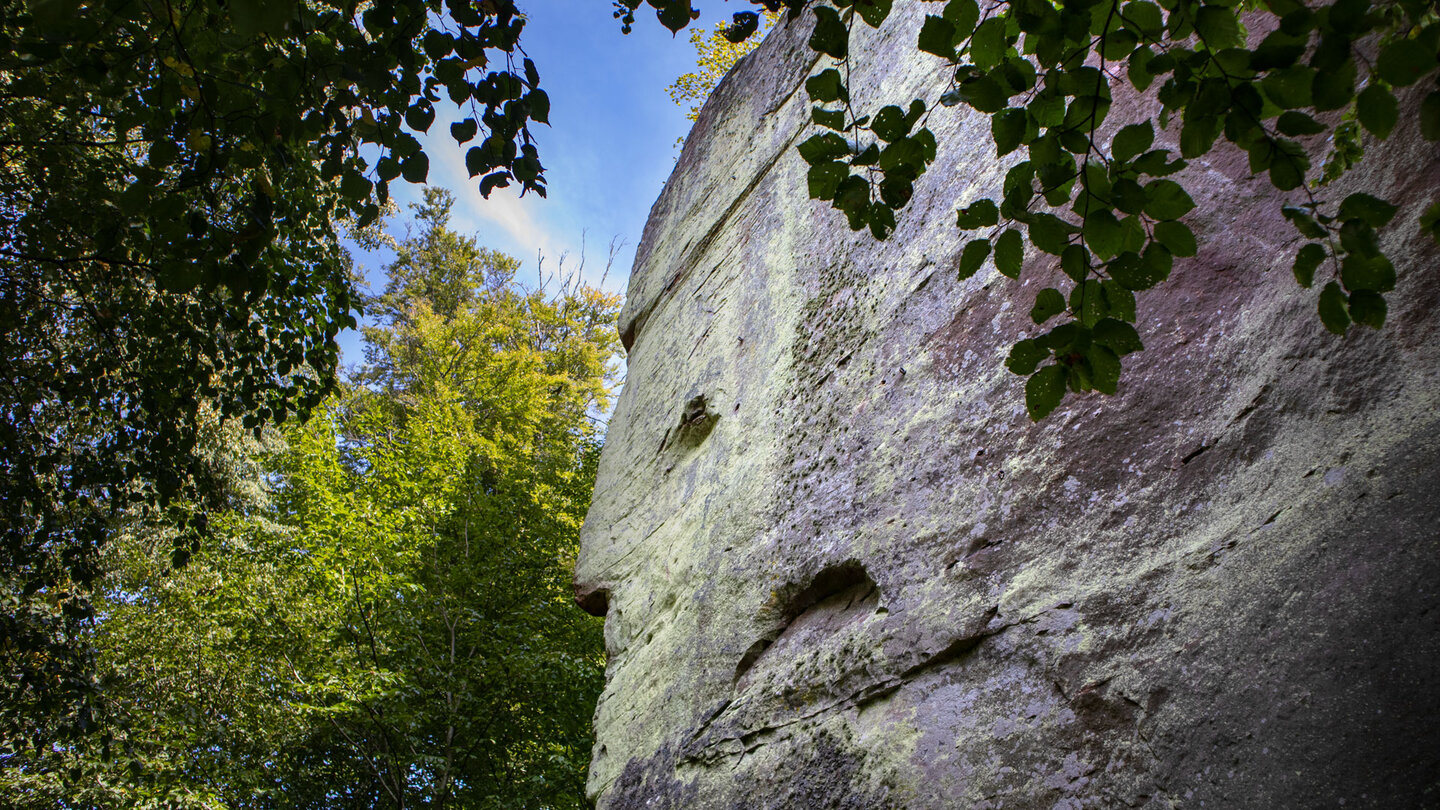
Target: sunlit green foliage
<point>716,51</point>
<point>171,179</point>
<point>384,618</point>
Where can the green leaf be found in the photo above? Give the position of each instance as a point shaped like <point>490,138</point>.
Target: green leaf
<point>419,117</point>
<point>823,147</point>
<point>1087,301</point>
<point>252,17</point>
<point>1119,302</point>
<point>987,44</point>
<point>890,124</point>
<point>1333,89</point>
<point>1132,140</point>
<point>1430,221</point>
<point>895,192</point>
<point>415,168</point>
<point>1307,259</point>
<point>1290,88</point>
<point>830,37</point>
<point>882,219</point>
<point>1050,233</point>
<point>984,94</point>
<point>1104,368</point>
<point>1075,262</point>
<point>1043,391</point>
<point>1372,210</point>
<point>1118,335</point>
<point>1430,117</point>
<point>963,14</point>
<point>1049,303</point>
<point>824,179</point>
<point>1145,17</point>
<point>1157,260</point>
<point>539,105</point>
<point>937,36</point>
<point>873,12</point>
<point>1007,128</point>
<point>1333,310</point>
<point>355,186</point>
<point>1368,308</point>
<point>1403,62</point>
<point>1176,237</point>
<point>1131,272</point>
<point>1218,27</point>
<point>830,119</point>
<point>163,152</point>
<point>463,131</point>
<point>1279,49</point>
<point>1025,356</point>
<point>1009,253</point>
<point>476,161</point>
<point>1118,44</point>
<point>674,14</point>
<point>1128,196</point>
<point>1296,123</point>
<point>1304,222</point>
<point>983,213</point>
<point>853,197</point>
<point>1168,200</point>
<point>1288,165</point>
<point>1198,134</point>
<point>1356,236</point>
<point>1361,272</point>
<point>1377,110</point>
<point>1103,234</point>
<point>1157,163</point>
<point>973,256</point>
<point>1067,338</point>
<point>826,86</point>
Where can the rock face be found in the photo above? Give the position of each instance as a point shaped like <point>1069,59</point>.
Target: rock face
<point>841,568</point>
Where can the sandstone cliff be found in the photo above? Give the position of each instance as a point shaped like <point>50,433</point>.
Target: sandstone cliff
<point>841,568</point>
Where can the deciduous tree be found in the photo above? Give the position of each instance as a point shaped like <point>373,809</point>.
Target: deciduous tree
<point>383,617</point>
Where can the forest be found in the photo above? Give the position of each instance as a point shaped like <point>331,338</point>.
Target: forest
<point>380,614</point>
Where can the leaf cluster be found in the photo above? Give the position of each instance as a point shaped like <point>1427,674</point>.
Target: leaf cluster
<point>1101,197</point>
<point>172,177</point>
<point>384,616</point>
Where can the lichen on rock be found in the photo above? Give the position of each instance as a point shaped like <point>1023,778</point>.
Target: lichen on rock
<point>856,575</point>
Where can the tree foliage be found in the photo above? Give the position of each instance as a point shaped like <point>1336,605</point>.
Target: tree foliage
<point>384,618</point>
<point>716,51</point>
<point>171,179</point>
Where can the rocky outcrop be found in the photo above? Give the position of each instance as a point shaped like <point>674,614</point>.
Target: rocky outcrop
<point>840,567</point>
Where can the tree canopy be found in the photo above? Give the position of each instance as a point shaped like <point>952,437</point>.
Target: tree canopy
<point>716,52</point>
<point>172,177</point>
<point>384,615</point>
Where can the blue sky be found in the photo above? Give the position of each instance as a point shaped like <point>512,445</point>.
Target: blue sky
<point>607,153</point>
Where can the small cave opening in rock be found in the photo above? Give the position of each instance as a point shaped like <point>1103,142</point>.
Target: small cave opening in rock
<point>836,596</point>
<point>595,601</point>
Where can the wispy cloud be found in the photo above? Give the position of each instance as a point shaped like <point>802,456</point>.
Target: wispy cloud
<point>505,221</point>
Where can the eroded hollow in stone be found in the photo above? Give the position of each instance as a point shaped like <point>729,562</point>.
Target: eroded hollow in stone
<point>837,596</point>
<point>696,422</point>
<point>595,601</point>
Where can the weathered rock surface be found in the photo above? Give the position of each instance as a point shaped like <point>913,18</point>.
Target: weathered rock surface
<point>843,569</point>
